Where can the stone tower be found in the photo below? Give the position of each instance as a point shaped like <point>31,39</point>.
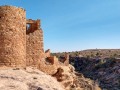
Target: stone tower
<point>12,36</point>
<point>34,38</point>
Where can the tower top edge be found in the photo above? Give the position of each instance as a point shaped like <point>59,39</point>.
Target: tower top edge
<point>10,6</point>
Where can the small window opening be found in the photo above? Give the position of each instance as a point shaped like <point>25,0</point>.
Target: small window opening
<point>28,26</point>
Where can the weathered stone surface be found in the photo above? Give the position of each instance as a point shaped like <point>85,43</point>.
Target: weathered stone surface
<point>34,37</point>
<point>21,40</point>
<point>12,36</point>
<point>47,67</point>
<point>74,81</point>
<point>47,53</point>
<point>66,61</point>
<point>29,79</point>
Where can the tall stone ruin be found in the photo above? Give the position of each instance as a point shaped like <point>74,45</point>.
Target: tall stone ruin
<point>35,50</point>
<point>21,40</point>
<point>12,36</point>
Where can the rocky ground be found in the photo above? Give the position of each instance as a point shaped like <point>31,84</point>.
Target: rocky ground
<point>100,65</point>
<point>71,80</point>
<point>33,79</point>
<point>29,79</point>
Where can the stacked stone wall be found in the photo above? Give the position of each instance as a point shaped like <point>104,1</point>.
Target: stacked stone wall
<point>66,61</point>
<point>47,53</point>
<point>47,67</point>
<point>21,42</point>
<point>35,51</point>
<point>12,36</point>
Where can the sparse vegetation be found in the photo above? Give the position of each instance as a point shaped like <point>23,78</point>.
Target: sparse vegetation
<point>98,64</point>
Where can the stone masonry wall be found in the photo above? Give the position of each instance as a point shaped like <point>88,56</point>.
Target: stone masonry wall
<point>47,53</point>
<point>66,61</point>
<point>35,51</point>
<point>21,42</point>
<point>12,36</point>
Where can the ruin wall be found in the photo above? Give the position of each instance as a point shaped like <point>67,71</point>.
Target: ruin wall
<point>12,36</point>
<point>34,37</point>
<point>21,42</point>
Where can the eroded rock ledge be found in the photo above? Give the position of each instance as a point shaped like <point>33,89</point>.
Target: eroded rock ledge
<point>33,79</point>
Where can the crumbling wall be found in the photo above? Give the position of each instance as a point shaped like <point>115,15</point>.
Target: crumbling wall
<point>12,36</point>
<point>66,60</point>
<point>35,51</point>
<point>47,53</point>
<point>21,42</point>
<point>47,67</point>
<point>52,60</point>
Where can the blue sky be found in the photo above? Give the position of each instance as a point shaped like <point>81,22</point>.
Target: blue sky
<point>73,25</point>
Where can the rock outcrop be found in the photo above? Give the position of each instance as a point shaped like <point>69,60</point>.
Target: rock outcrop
<point>71,80</point>
<point>29,79</point>
<point>33,79</point>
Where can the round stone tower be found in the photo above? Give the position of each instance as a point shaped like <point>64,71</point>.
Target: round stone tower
<point>12,36</point>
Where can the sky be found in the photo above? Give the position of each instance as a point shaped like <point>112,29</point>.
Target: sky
<point>74,25</point>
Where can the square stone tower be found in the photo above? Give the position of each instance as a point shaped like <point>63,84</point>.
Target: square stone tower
<point>34,49</point>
